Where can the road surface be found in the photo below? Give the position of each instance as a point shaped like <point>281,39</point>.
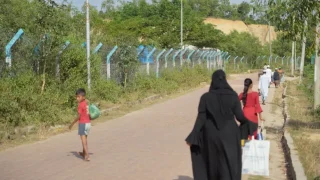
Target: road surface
<point>144,145</point>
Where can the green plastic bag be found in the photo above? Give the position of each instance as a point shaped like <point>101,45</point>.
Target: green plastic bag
<point>94,112</point>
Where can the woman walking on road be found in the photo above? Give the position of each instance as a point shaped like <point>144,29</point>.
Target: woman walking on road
<point>216,139</point>
<point>251,104</point>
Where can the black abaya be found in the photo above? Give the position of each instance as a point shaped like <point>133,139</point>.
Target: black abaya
<point>216,138</point>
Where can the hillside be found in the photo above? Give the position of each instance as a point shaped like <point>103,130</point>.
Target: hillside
<point>257,30</point>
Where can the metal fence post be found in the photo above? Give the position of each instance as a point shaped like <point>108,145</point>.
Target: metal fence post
<point>148,61</point>
<point>174,57</point>
<point>225,55</point>
<point>263,57</point>
<point>201,54</point>
<point>241,59</point>
<point>10,44</point>
<point>209,55</point>
<point>282,59</point>
<point>108,61</point>
<point>166,58</point>
<point>270,59</point>
<point>226,62</point>
<point>141,51</point>
<point>66,44</point>
<point>37,51</point>
<point>97,48</point>
<point>189,57</point>
<point>158,57</point>
<point>205,55</point>
<point>190,54</point>
<point>228,58</point>
<point>210,61</point>
<point>181,56</point>
<point>215,59</point>
<point>234,62</point>
<point>257,58</point>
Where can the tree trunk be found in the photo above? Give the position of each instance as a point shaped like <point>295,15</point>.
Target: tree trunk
<point>125,80</point>
<point>44,77</point>
<point>317,70</point>
<point>303,52</point>
<point>270,45</point>
<point>295,55</point>
<point>292,59</point>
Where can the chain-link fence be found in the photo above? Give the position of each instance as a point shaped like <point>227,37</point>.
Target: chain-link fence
<point>44,55</point>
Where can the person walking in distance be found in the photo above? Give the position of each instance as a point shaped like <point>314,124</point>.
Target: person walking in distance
<point>269,74</point>
<point>276,78</point>
<point>83,119</point>
<point>281,73</point>
<point>265,66</point>
<point>264,83</point>
<point>215,141</point>
<point>251,105</point>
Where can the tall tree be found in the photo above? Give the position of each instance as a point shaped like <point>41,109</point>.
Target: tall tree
<point>244,10</point>
<point>294,23</point>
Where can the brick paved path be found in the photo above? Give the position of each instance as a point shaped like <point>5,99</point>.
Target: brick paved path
<point>143,145</point>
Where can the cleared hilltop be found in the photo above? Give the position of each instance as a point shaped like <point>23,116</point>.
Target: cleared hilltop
<point>258,30</point>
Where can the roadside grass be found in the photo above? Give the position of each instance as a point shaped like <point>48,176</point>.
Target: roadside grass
<point>128,102</point>
<point>304,126</point>
<point>120,109</point>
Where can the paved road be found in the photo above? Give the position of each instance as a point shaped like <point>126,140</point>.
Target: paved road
<point>143,145</point>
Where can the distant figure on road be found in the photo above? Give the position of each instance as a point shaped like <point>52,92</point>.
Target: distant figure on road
<point>276,78</point>
<point>215,140</point>
<point>265,66</point>
<point>264,83</point>
<point>84,122</point>
<point>251,104</point>
<point>281,73</point>
<point>269,74</point>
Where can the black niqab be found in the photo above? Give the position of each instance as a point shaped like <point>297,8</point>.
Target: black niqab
<point>220,88</point>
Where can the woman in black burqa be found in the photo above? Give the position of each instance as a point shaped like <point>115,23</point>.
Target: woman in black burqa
<point>215,140</point>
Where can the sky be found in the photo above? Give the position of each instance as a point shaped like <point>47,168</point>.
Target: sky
<point>97,3</point>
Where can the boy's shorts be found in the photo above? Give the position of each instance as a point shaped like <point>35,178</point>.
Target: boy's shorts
<point>84,129</point>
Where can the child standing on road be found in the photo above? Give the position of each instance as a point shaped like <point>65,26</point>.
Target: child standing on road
<point>84,122</point>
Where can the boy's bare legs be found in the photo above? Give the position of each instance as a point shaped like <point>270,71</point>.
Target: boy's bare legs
<point>85,153</point>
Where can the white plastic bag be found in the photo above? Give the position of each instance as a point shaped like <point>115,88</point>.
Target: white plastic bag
<point>255,158</point>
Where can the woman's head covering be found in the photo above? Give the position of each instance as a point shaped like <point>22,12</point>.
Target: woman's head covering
<point>219,90</point>
<point>219,81</point>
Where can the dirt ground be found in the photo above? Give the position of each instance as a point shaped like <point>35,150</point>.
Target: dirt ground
<point>258,30</point>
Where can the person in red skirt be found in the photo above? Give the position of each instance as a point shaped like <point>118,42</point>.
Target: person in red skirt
<point>251,105</point>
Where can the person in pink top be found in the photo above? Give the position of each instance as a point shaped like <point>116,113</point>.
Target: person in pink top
<point>83,119</point>
<point>251,104</point>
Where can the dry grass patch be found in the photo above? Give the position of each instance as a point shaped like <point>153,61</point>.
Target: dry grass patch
<point>304,127</point>
<point>277,102</point>
<point>126,105</point>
